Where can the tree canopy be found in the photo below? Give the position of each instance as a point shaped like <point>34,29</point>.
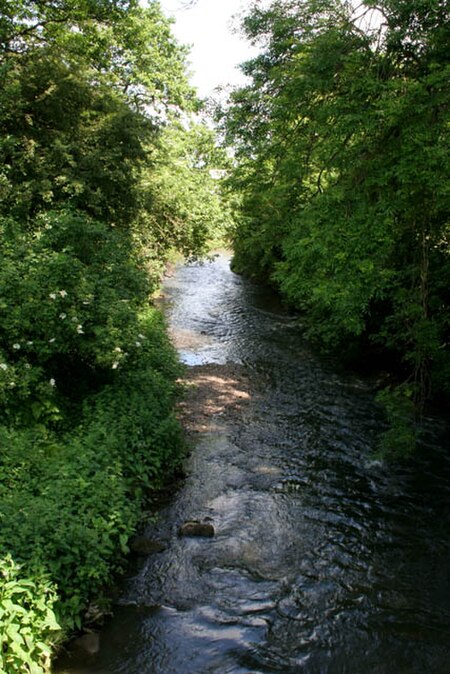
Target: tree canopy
<point>341,142</point>
<point>99,180</point>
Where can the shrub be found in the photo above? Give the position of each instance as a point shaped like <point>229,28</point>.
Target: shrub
<point>70,500</point>
<point>400,438</point>
<point>70,295</point>
<point>28,626</point>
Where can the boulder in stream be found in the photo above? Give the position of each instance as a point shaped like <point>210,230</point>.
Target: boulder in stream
<point>195,528</point>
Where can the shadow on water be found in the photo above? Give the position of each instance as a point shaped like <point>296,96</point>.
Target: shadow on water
<point>324,560</point>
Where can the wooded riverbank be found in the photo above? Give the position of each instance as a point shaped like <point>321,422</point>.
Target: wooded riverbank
<point>317,547</point>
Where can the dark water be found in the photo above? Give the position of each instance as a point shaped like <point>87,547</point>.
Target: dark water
<point>324,560</point>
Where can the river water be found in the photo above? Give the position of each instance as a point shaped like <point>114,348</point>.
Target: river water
<point>324,560</point>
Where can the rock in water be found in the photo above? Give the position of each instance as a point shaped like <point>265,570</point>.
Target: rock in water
<point>194,528</point>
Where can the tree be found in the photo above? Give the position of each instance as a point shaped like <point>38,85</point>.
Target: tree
<point>342,163</point>
<point>95,185</point>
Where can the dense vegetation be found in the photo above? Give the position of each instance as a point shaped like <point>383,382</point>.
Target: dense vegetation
<point>341,192</point>
<point>102,174</point>
<point>342,167</point>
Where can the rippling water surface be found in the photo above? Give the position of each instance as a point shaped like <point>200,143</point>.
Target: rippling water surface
<point>324,560</point>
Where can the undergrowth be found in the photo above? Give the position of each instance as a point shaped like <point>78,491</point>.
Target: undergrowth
<point>70,500</point>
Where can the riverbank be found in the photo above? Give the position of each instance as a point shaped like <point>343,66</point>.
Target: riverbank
<point>71,497</point>
<point>317,548</point>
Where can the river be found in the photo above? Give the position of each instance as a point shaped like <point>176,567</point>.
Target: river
<point>324,560</point>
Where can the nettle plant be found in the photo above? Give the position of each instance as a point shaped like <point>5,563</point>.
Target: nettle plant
<point>28,626</point>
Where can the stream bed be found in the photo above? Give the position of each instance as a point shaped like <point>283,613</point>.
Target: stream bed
<point>324,560</point>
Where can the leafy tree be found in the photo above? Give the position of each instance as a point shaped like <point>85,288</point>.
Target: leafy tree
<point>342,164</point>
<point>187,201</point>
<point>98,181</point>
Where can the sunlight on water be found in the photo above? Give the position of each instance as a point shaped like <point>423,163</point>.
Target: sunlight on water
<point>324,560</point>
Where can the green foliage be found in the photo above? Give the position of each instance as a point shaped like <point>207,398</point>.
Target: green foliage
<point>70,296</point>
<point>188,203</point>
<point>67,141</point>
<point>27,622</point>
<point>342,164</point>
<point>99,182</point>
<point>69,501</point>
<point>400,439</point>
<point>64,517</point>
<point>130,47</point>
<point>132,418</point>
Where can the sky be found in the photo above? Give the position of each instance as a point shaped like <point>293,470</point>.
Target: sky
<point>216,49</point>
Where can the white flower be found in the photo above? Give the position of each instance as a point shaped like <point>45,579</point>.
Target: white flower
<point>80,329</point>
<point>62,316</point>
<point>28,366</point>
<point>138,344</point>
<point>115,365</point>
<point>16,346</point>
<point>52,382</point>
<point>63,293</point>
<point>118,349</point>
<point>29,343</point>
<point>12,384</point>
<point>52,296</point>
<point>3,366</point>
<point>74,319</point>
<point>86,302</point>
<point>141,336</point>
<point>53,339</point>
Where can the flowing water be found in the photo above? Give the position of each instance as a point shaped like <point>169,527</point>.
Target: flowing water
<point>324,560</point>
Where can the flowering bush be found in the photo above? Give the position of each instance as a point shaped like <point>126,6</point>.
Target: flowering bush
<point>70,500</point>
<point>70,292</point>
<point>87,387</point>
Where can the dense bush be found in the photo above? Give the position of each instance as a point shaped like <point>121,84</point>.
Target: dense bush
<point>70,501</point>
<point>69,295</point>
<point>27,621</point>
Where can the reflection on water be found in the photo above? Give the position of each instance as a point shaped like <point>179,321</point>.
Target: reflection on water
<point>324,561</point>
